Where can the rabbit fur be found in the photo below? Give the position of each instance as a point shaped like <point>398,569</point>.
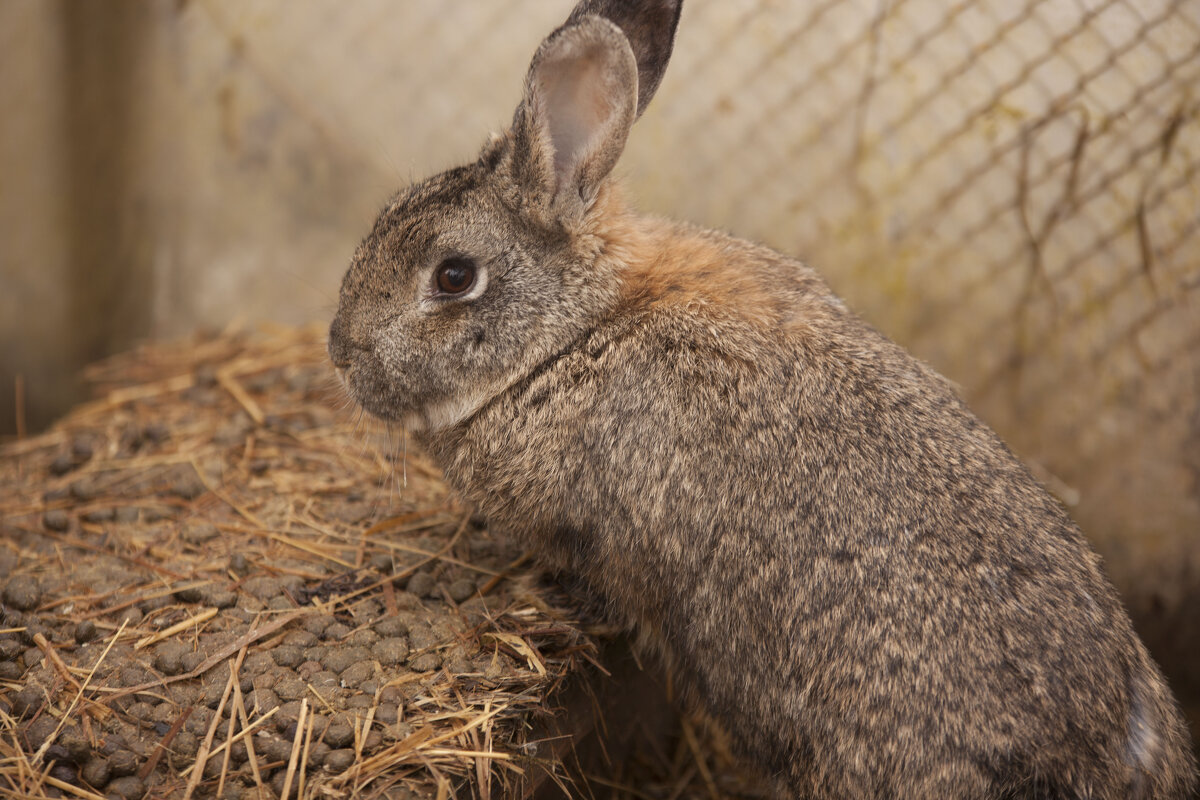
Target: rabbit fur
<point>836,558</point>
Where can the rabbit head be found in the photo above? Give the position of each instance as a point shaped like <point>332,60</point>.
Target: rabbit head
<point>473,276</point>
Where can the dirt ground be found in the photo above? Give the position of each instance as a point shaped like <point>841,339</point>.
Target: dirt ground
<point>217,579</point>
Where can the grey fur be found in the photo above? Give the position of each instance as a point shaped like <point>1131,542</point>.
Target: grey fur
<point>834,556</point>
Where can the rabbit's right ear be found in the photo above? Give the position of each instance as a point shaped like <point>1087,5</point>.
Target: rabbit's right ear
<point>649,25</point>
<point>581,98</point>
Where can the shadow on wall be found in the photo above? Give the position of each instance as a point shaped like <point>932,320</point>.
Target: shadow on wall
<point>70,216</point>
<point>109,224</point>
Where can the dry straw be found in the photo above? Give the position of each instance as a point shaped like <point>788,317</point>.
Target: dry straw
<point>217,500</point>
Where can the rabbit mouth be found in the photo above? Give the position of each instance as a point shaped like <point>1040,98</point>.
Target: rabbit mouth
<point>380,399</point>
<point>376,398</point>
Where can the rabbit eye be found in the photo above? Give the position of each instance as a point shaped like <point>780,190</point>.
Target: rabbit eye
<point>455,275</point>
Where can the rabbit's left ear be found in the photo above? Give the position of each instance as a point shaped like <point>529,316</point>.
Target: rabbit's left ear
<point>581,98</point>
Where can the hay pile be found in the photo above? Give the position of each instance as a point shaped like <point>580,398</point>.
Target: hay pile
<point>217,580</point>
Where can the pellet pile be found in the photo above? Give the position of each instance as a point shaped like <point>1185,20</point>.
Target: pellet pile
<point>215,583</point>
<point>220,580</point>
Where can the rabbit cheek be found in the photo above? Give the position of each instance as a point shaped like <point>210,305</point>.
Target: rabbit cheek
<point>410,375</point>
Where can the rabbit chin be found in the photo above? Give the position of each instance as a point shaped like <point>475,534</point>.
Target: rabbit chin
<point>444,413</point>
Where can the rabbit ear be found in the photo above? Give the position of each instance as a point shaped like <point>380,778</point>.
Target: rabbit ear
<point>580,101</point>
<point>649,25</point>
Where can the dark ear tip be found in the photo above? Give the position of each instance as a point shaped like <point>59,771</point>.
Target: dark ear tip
<point>649,26</point>
<point>628,9</point>
<point>646,23</point>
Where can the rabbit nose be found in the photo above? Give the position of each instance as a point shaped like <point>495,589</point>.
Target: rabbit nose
<point>342,345</point>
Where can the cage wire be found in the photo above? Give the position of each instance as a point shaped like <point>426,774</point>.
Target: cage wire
<point>1007,188</point>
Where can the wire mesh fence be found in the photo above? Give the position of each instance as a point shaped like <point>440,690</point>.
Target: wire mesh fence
<point>1009,188</point>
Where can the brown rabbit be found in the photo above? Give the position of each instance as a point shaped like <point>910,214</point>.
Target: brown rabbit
<point>836,558</point>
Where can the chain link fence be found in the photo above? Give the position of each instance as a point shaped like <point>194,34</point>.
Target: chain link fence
<point>1008,188</point>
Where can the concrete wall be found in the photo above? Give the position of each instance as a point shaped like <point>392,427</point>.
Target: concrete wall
<point>1010,189</point>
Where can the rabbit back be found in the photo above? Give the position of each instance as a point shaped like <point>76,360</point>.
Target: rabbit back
<point>836,557</point>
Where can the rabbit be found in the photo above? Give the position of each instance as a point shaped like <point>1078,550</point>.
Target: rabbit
<point>834,557</point>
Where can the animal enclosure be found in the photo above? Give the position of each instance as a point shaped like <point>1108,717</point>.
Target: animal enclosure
<point>1009,189</point>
